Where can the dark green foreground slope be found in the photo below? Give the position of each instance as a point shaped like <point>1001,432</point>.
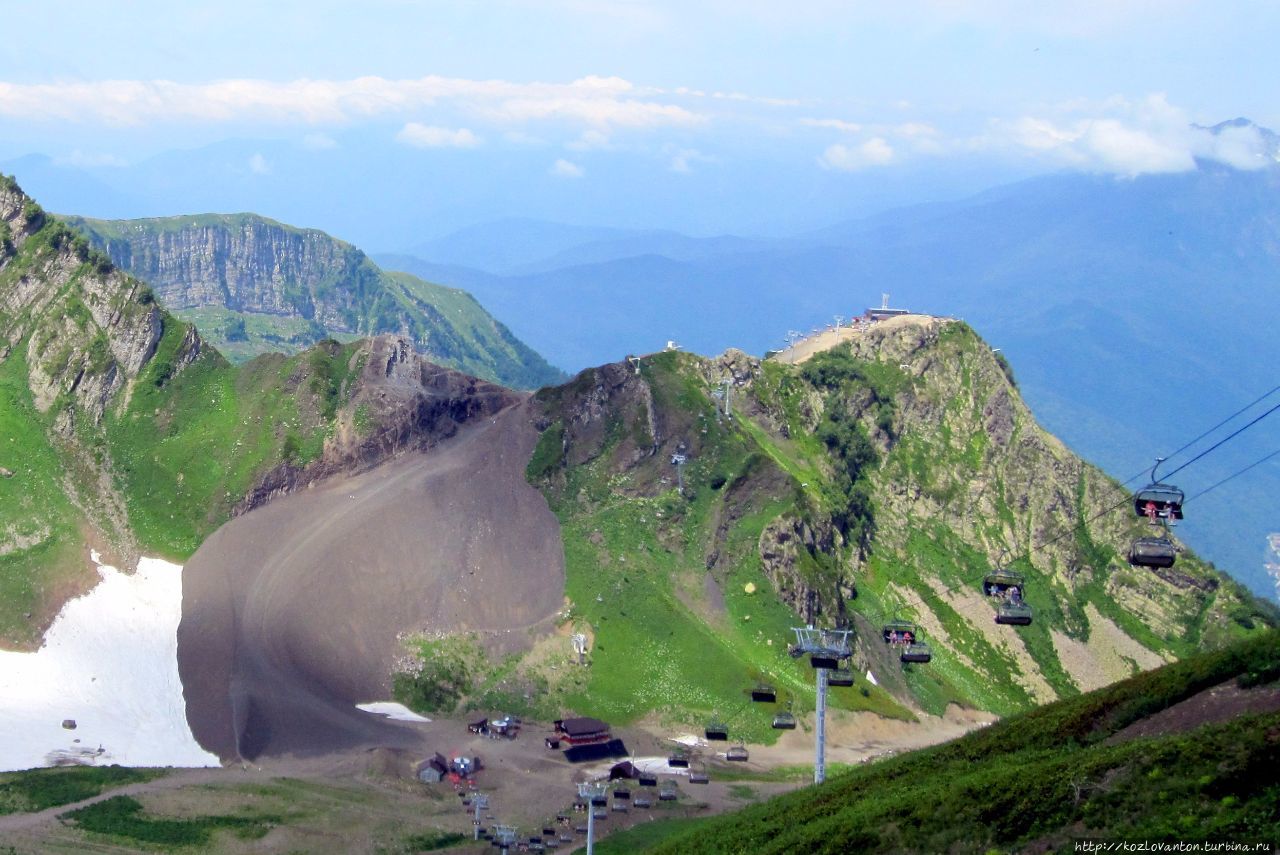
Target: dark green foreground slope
<point>1210,770</point>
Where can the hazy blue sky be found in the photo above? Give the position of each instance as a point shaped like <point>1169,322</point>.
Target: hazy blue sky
<point>613,96</point>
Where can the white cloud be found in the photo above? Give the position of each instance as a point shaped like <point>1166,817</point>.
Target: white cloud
<point>595,101</point>
<point>258,165</point>
<point>834,124</point>
<point>682,159</point>
<point>566,169</point>
<point>591,139</point>
<point>849,158</point>
<point>430,136</point>
<point>1126,138</point>
<point>319,142</point>
<point>1241,147</point>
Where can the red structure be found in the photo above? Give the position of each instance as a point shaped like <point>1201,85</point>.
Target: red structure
<point>582,731</point>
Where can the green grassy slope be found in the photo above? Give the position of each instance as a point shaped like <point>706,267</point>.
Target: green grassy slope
<point>857,487</point>
<point>119,426</point>
<point>316,287</point>
<point>1041,779</point>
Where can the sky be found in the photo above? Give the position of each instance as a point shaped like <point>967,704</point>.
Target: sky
<point>705,117</point>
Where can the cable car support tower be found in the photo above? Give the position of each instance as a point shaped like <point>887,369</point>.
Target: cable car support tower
<point>826,647</point>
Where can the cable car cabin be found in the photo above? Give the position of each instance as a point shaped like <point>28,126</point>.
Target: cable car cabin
<point>1153,552</point>
<point>840,677</point>
<point>899,631</point>
<point>999,583</point>
<point>1164,501</point>
<point>784,721</point>
<point>737,754</point>
<point>763,693</point>
<point>918,652</point>
<point>678,760</point>
<point>717,731</point>
<point>1012,614</point>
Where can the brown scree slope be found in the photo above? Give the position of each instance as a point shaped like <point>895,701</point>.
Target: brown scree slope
<point>295,611</point>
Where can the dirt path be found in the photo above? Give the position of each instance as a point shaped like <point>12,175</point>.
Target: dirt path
<point>296,611</point>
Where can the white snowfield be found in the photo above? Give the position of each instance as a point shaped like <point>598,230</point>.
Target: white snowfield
<point>392,710</point>
<point>110,663</point>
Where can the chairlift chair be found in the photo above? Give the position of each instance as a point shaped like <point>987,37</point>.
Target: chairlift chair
<point>599,800</point>
<point>897,629</point>
<point>999,583</point>
<point>824,659</point>
<point>699,776</point>
<point>648,779</point>
<point>840,677</point>
<point>917,653</point>
<point>737,754</point>
<point>716,731</point>
<point>1153,552</point>
<point>1164,501</point>
<point>784,721</point>
<point>763,693</point>
<point>1014,614</point>
<point>679,759</point>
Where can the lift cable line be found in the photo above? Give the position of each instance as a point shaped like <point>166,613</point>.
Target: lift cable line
<point>1224,440</point>
<point>1245,408</point>
<point>922,599</point>
<point>1234,475</point>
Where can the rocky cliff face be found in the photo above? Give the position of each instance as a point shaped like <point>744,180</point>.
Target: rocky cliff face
<point>398,402</point>
<point>88,329</point>
<point>254,285</point>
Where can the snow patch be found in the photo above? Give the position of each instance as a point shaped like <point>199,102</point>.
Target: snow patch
<point>392,710</point>
<point>109,664</point>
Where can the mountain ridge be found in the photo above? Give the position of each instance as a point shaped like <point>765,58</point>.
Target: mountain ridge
<point>256,285</point>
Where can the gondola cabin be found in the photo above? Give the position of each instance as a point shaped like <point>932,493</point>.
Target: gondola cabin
<point>763,693</point>
<point>1161,501</point>
<point>1000,582</point>
<point>1153,552</point>
<point>917,653</point>
<point>840,677</point>
<point>717,731</point>
<point>784,721</point>
<point>1014,614</point>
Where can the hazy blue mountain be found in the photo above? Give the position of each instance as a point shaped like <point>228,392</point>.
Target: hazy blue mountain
<point>1136,312</point>
<point>519,245</point>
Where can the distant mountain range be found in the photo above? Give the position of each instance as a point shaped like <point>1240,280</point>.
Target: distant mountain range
<point>1136,312</point>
